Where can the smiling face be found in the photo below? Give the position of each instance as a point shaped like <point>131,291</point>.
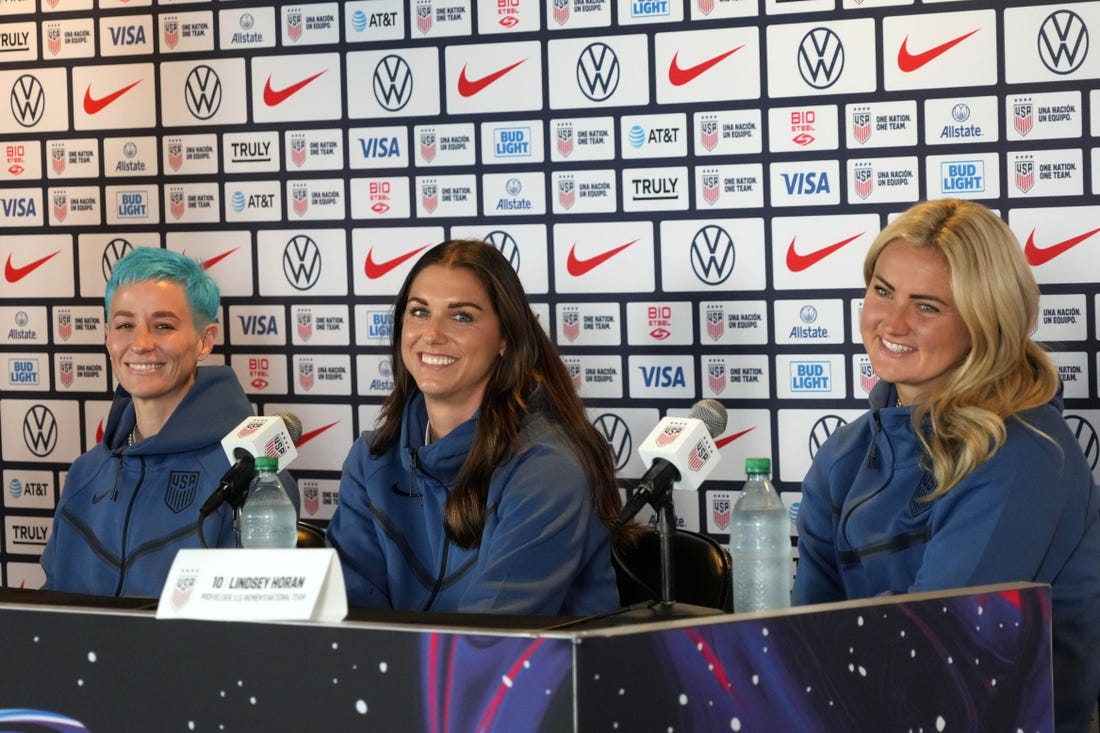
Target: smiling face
<point>153,343</point>
<point>913,333</point>
<point>451,339</point>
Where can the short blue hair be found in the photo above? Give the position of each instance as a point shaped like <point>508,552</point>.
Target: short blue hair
<point>153,263</point>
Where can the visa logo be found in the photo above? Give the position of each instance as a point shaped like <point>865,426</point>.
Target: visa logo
<point>666,376</point>
<point>259,325</point>
<point>810,183</point>
<point>379,147</point>
<point>128,35</point>
<point>18,207</point>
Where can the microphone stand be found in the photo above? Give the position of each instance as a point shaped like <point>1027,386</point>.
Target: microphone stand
<point>666,525</point>
<point>237,501</point>
<point>664,609</point>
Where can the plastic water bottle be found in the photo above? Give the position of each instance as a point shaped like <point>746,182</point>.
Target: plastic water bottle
<point>760,543</point>
<point>268,518</point>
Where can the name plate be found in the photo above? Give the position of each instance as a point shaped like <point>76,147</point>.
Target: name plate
<point>296,584</point>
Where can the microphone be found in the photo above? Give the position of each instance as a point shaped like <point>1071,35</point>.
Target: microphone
<point>254,436</point>
<point>680,453</point>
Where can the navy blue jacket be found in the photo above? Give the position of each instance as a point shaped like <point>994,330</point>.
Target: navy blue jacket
<point>1029,513</point>
<point>544,551</point>
<point>125,511</point>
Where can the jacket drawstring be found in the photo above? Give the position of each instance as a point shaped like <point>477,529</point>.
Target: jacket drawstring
<point>872,452</point>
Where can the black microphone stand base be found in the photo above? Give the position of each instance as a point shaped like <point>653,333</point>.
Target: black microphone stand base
<point>653,612</point>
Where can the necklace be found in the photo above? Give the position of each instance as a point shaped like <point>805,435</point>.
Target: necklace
<point>131,438</point>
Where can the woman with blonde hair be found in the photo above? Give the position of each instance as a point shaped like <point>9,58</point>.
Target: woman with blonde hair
<point>964,471</point>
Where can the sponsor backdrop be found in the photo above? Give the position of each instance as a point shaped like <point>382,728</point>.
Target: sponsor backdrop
<point>686,187</point>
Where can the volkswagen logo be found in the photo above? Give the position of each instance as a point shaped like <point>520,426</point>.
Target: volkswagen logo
<point>821,58</point>
<point>712,254</point>
<point>203,92</point>
<point>28,100</point>
<point>1086,436</point>
<point>1063,42</point>
<point>598,71</point>
<point>821,430</point>
<point>115,250</point>
<point>40,431</point>
<point>617,434</point>
<point>393,83</point>
<point>507,245</point>
<point>302,262</point>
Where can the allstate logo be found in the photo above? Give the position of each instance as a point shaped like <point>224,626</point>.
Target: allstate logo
<point>15,488</point>
<point>637,136</point>
<point>513,186</point>
<point>807,313</point>
<point>359,21</point>
<point>239,202</point>
<point>960,112</point>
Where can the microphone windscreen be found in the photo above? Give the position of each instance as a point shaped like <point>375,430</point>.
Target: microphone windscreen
<point>712,413</point>
<point>293,426</point>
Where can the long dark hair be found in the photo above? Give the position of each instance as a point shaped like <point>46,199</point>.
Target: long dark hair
<point>529,376</point>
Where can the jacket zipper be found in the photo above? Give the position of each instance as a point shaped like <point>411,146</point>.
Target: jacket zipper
<point>126,528</point>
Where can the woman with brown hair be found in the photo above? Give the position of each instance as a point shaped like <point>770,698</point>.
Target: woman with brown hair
<point>484,487</point>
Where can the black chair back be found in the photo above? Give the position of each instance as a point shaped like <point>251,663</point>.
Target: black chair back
<point>701,570</point>
<point>310,534</point>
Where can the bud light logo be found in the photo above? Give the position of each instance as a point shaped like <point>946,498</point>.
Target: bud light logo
<point>811,376</point>
<point>23,372</point>
<point>512,142</point>
<point>963,176</point>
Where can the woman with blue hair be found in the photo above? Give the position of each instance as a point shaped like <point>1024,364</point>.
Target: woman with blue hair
<point>131,502</point>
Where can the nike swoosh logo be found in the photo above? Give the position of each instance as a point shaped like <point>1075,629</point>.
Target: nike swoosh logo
<point>275,97</point>
<point>469,87</point>
<point>577,267</point>
<point>14,274</point>
<point>1041,255</point>
<point>730,438</point>
<point>679,76</point>
<point>375,270</point>
<point>208,263</point>
<point>798,263</point>
<point>92,105</point>
<point>306,437</point>
<point>913,61</point>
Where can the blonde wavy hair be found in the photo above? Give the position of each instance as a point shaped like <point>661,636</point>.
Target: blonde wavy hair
<point>1004,372</point>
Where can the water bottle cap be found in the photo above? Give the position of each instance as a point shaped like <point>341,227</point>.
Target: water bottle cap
<point>758,465</point>
<point>266,463</point>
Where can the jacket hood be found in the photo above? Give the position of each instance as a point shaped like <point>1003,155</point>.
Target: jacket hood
<point>215,398</point>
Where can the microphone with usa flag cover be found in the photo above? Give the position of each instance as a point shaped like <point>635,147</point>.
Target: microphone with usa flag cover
<point>680,454</point>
